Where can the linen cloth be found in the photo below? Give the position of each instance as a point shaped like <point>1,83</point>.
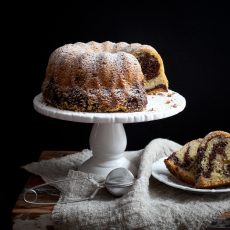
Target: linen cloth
<point>149,204</point>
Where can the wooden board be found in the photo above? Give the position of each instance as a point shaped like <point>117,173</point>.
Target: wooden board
<point>26,216</point>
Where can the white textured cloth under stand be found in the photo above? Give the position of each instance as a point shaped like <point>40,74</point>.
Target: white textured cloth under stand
<point>148,205</point>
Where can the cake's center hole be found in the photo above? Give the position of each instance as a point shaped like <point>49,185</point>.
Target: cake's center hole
<point>149,64</point>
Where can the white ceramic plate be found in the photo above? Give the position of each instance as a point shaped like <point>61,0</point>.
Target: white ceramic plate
<point>161,173</point>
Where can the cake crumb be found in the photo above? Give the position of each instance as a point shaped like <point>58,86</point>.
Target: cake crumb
<point>174,106</point>
<point>170,94</point>
<point>152,109</point>
<point>160,94</point>
<point>168,102</point>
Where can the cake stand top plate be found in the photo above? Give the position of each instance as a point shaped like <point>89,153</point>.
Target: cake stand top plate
<point>159,106</point>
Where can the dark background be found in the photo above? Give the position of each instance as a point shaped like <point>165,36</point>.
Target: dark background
<point>193,40</point>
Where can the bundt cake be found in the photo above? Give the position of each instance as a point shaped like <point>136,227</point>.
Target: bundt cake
<point>204,163</point>
<point>103,77</point>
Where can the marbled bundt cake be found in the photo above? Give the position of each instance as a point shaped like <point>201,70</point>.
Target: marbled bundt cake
<point>204,163</point>
<point>103,77</point>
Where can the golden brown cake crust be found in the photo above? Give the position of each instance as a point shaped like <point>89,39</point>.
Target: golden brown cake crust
<point>101,77</point>
<point>179,172</point>
<point>214,134</point>
<point>210,183</point>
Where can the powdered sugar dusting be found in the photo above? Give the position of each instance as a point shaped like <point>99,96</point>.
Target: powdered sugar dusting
<point>94,81</point>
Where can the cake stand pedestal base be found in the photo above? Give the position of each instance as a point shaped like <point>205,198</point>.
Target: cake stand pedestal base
<point>108,142</point>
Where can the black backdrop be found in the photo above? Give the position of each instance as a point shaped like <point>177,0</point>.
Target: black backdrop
<point>193,40</point>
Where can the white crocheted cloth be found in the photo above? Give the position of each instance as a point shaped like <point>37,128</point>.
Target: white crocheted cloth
<point>148,205</point>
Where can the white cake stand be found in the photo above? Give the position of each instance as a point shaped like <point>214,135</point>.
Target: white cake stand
<point>108,139</point>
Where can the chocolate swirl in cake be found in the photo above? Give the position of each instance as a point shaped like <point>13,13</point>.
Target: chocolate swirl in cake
<point>187,161</point>
<point>217,149</point>
<point>149,64</point>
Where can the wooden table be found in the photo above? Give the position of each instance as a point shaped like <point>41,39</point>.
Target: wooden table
<point>26,216</point>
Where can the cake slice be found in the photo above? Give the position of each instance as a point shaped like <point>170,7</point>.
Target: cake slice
<point>204,163</point>
<point>182,162</point>
<point>213,162</point>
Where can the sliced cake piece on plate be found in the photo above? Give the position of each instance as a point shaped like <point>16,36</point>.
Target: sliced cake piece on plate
<point>204,163</point>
